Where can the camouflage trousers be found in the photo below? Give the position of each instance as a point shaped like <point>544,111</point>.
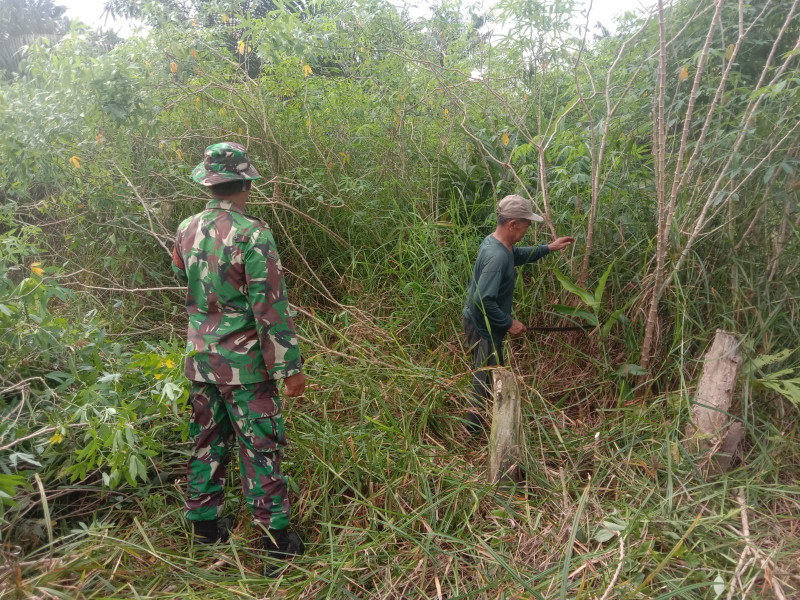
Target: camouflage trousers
<point>250,414</point>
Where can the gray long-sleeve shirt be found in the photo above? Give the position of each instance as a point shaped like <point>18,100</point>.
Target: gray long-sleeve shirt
<point>491,289</point>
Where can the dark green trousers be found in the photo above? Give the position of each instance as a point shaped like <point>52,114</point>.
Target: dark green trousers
<point>485,353</point>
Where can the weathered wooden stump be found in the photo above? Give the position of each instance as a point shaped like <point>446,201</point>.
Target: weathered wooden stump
<point>505,438</point>
<point>710,434</point>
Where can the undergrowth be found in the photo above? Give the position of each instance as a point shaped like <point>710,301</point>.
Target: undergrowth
<point>391,495</point>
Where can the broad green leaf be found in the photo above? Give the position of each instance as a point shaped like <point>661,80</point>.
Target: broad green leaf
<point>788,388</point>
<point>8,487</point>
<point>611,320</point>
<point>768,359</point>
<point>115,377</point>
<point>133,470</point>
<point>615,525</point>
<point>571,311</point>
<point>602,535</point>
<point>601,285</point>
<point>16,458</point>
<point>719,585</point>
<point>568,285</point>
<point>630,369</point>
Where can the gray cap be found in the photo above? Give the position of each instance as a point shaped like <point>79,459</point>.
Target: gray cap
<point>517,207</point>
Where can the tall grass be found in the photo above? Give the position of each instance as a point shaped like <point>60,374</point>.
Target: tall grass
<point>390,493</point>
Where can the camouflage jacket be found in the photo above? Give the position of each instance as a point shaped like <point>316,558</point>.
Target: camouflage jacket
<point>240,329</point>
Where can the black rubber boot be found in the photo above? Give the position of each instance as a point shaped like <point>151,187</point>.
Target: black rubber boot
<point>212,531</point>
<point>281,545</point>
<point>476,423</point>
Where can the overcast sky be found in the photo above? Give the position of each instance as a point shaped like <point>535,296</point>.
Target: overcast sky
<point>90,12</point>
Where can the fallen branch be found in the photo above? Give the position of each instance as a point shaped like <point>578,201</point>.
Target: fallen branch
<point>146,211</point>
<point>766,562</point>
<point>43,431</point>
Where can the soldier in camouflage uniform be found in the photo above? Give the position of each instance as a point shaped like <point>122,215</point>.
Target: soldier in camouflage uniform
<point>241,341</point>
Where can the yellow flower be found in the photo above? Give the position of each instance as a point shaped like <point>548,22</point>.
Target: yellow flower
<point>158,376</point>
<point>307,70</point>
<point>179,153</point>
<point>241,47</point>
<point>197,100</point>
<point>56,439</point>
<point>446,111</point>
<point>224,18</point>
<point>684,74</point>
<point>76,162</point>
<point>173,66</point>
<point>249,48</point>
<point>222,112</point>
<point>505,139</point>
<point>36,268</point>
<point>170,364</point>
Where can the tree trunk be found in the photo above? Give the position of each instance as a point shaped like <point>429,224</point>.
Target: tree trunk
<point>659,151</point>
<point>710,434</point>
<point>505,439</point>
<point>780,243</point>
<point>548,220</point>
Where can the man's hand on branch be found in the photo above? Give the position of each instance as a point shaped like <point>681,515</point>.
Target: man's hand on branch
<point>516,327</point>
<point>560,243</point>
<point>294,385</point>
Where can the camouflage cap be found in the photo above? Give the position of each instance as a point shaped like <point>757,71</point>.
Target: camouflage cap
<point>223,162</point>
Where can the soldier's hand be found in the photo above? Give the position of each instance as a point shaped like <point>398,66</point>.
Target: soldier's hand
<point>294,385</point>
<point>516,327</point>
<point>560,243</point>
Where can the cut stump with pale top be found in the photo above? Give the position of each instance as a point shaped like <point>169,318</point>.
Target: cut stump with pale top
<point>710,435</point>
<point>505,438</point>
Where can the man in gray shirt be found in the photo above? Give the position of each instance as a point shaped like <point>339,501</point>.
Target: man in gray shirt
<point>487,308</point>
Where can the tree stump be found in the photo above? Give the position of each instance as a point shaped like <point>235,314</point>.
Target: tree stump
<point>505,438</point>
<point>710,434</point>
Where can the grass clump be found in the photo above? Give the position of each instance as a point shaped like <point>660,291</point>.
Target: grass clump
<point>390,494</point>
